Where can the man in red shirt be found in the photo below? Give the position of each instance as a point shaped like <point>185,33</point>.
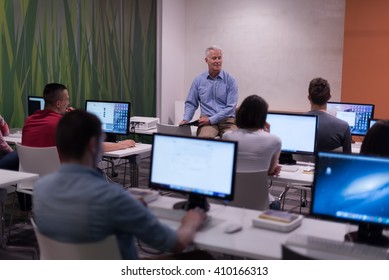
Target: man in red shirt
<point>40,128</point>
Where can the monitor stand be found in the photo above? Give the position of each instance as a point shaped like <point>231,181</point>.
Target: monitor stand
<point>193,201</point>
<point>286,159</point>
<point>111,138</point>
<point>368,234</point>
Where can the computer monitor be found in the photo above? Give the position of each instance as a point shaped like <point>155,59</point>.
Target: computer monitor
<point>194,166</point>
<point>356,115</point>
<point>372,122</point>
<point>297,133</point>
<point>35,103</point>
<point>353,189</point>
<point>114,116</point>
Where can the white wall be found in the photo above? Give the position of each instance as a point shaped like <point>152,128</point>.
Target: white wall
<point>272,47</point>
<point>171,60</point>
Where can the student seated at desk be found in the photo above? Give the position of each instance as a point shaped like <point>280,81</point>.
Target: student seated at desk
<point>77,204</point>
<point>332,133</point>
<point>39,128</point>
<point>257,149</point>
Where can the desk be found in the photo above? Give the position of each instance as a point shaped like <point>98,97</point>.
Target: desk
<point>7,178</point>
<point>356,147</point>
<point>133,156</point>
<point>250,242</point>
<point>297,179</point>
<point>13,139</point>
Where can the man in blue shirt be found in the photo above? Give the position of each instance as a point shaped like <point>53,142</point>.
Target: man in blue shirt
<point>216,91</point>
<point>76,204</point>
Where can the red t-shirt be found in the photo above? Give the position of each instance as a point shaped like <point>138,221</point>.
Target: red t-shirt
<point>40,128</point>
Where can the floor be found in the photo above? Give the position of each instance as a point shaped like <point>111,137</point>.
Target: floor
<point>23,245</point>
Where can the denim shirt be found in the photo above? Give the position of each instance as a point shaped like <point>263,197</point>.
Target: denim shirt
<point>217,97</point>
<point>77,204</point>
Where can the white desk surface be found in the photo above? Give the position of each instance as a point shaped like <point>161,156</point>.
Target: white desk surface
<point>13,138</point>
<point>356,147</point>
<point>250,242</point>
<point>138,149</point>
<point>8,177</point>
<point>297,177</point>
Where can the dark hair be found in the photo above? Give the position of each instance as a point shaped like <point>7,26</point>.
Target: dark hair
<point>74,132</point>
<point>52,93</point>
<point>319,91</point>
<point>376,141</point>
<point>252,112</point>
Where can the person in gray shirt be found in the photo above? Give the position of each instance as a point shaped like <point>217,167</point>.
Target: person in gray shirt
<point>333,133</point>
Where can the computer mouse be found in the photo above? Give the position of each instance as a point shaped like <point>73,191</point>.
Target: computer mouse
<point>232,228</point>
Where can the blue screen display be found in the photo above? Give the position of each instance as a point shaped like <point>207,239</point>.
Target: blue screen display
<point>353,188</point>
<point>356,115</point>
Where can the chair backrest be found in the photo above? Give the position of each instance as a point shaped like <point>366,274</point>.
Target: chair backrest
<point>49,249</point>
<point>251,190</point>
<point>41,161</point>
<point>174,129</point>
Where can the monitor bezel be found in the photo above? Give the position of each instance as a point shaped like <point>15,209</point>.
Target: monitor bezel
<point>28,100</point>
<point>119,102</point>
<point>331,217</point>
<point>358,104</point>
<point>163,187</point>
<point>303,115</point>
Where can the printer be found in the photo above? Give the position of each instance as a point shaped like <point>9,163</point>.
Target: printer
<point>143,123</point>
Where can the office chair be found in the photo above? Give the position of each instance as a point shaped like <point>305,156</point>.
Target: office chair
<point>41,161</point>
<point>251,190</point>
<point>174,129</point>
<point>106,249</point>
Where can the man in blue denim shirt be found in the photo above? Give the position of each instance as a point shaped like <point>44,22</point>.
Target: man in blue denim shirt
<point>76,204</point>
<point>216,92</point>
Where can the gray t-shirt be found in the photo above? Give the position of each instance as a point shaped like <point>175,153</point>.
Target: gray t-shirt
<point>255,148</point>
<point>332,132</point>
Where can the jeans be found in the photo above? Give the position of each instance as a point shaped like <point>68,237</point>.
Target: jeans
<point>10,161</point>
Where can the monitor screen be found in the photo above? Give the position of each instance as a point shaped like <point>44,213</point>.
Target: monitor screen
<point>195,166</point>
<point>35,103</point>
<point>297,132</point>
<point>356,115</point>
<point>353,189</point>
<point>372,122</point>
<point>113,115</point>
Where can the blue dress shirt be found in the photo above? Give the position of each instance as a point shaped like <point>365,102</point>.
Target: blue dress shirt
<point>217,97</point>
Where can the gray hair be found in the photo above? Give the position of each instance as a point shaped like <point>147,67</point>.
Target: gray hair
<point>212,48</point>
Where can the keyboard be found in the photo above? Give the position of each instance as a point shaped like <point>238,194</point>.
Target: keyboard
<point>289,168</point>
<point>349,250</point>
<point>168,213</point>
<point>174,215</point>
